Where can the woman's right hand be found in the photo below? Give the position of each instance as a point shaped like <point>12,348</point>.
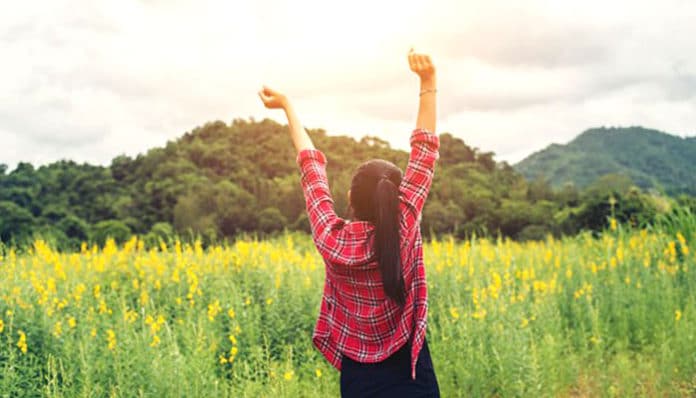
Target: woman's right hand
<point>421,65</point>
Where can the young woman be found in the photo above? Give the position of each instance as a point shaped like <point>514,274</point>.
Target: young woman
<point>372,321</point>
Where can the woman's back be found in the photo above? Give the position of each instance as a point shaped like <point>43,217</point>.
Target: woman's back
<point>356,318</point>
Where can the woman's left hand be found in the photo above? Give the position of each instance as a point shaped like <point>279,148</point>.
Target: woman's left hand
<point>273,99</point>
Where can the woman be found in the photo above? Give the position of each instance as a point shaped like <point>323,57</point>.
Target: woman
<point>372,321</point>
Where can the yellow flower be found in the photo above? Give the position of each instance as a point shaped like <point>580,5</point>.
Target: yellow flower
<point>110,340</point>
<point>269,301</point>
<point>155,325</point>
<point>130,316</point>
<point>613,225</point>
<point>288,375</point>
<point>677,315</point>
<point>479,314</point>
<point>22,342</point>
<point>2,325</point>
<point>213,310</point>
<point>230,313</point>
<point>223,360</point>
<point>317,372</point>
<point>454,313</point>
<point>72,322</point>
<point>155,341</point>
<point>524,323</point>
<point>58,329</point>
<point>93,332</point>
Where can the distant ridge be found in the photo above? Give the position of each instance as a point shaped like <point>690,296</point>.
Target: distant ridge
<point>651,158</point>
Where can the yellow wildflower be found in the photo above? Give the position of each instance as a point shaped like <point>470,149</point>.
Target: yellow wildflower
<point>58,329</point>
<point>130,316</point>
<point>288,375</point>
<point>22,342</point>
<point>317,372</point>
<point>677,315</point>
<point>2,325</point>
<point>454,312</point>
<point>110,340</point>
<point>213,310</point>
<point>479,314</point>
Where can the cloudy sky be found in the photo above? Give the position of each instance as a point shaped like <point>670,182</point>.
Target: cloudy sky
<point>89,80</point>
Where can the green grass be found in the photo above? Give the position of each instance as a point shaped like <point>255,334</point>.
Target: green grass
<point>581,317</point>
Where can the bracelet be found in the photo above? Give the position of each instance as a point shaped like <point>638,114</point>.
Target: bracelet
<point>428,91</point>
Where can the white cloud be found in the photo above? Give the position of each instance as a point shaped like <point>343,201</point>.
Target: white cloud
<point>91,80</point>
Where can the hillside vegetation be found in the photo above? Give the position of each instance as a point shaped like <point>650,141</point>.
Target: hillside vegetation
<point>221,180</point>
<point>650,158</point>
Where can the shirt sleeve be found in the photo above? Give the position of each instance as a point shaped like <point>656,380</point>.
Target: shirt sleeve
<point>418,177</point>
<point>327,227</point>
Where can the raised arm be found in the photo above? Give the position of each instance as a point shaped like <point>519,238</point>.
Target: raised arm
<point>274,100</point>
<point>420,170</point>
<point>423,67</point>
<point>326,226</point>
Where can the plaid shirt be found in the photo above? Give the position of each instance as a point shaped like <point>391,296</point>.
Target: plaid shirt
<point>356,317</point>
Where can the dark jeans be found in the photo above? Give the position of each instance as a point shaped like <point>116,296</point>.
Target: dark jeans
<point>391,377</point>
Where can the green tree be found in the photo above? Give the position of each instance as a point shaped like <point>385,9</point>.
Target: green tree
<point>16,223</point>
<point>115,229</point>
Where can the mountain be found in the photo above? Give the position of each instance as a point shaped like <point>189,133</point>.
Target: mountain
<point>651,158</point>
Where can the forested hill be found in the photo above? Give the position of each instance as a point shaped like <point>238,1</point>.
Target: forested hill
<point>219,180</point>
<point>652,159</point>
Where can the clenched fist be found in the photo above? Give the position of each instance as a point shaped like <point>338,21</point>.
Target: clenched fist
<point>421,65</point>
<point>273,99</point>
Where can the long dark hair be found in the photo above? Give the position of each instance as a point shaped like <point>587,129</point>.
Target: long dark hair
<point>374,196</point>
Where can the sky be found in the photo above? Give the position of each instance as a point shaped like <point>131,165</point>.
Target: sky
<point>88,80</point>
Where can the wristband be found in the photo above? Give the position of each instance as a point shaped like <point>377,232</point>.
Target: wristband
<point>428,91</point>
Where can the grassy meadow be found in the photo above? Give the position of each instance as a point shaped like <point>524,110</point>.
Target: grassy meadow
<point>586,316</point>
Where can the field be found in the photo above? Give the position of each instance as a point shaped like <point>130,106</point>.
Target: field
<point>579,317</point>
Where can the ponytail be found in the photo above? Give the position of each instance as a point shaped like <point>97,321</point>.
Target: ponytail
<point>387,242</point>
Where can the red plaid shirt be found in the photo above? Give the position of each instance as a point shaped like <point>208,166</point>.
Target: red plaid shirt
<point>356,318</point>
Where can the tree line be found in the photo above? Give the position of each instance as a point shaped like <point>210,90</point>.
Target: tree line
<point>221,180</point>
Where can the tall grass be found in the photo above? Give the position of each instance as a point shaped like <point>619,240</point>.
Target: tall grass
<point>613,316</point>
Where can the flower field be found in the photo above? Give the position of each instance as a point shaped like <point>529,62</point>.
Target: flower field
<point>583,316</point>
